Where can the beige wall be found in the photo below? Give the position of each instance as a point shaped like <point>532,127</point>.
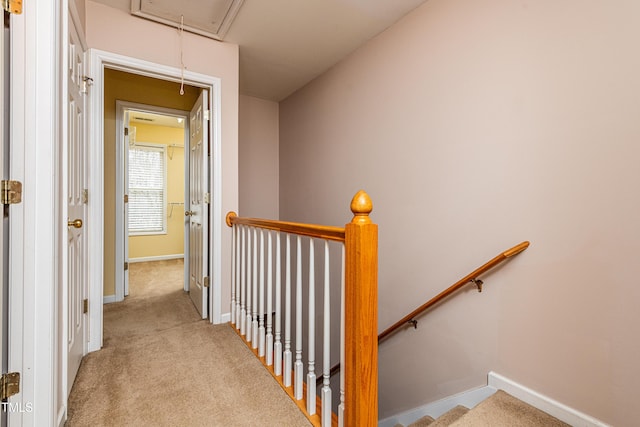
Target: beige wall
<point>258,157</point>
<point>474,126</point>
<point>172,242</point>
<point>79,4</point>
<point>116,31</point>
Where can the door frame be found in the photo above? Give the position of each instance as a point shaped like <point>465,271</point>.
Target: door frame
<point>99,60</point>
<point>121,233</point>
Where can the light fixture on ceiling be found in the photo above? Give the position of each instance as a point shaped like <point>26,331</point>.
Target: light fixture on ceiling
<point>209,18</point>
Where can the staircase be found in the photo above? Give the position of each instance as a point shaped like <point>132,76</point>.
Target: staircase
<point>499,410</point>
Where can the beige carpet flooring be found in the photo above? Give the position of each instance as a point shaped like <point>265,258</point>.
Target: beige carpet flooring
<point>499,410</point>
<point>163,366</point>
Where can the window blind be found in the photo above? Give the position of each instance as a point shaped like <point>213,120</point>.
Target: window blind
<point>147,189</point>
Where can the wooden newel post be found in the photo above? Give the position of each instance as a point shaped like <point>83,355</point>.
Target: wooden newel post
<point>361,316</point>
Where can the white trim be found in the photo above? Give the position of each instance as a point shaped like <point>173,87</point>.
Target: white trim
<point>108,299</point>
<point>216,217</point>
<point>552,407</point>
<point>155,258</point>
<point>225,318</point>
<point>100,60</point>
<point>469,399</point>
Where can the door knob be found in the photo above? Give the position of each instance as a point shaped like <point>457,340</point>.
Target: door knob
<point>75,223</point>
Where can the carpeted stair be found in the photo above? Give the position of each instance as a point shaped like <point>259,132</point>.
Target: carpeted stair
<point>499,410</point>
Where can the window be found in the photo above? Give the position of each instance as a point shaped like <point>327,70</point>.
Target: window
<point>147,189</point>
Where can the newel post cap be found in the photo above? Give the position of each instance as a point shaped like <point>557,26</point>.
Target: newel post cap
<point>361,206</point>
<point>230,217</point>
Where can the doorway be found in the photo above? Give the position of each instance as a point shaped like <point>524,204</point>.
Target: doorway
<point>165,84</point>
<point>154,182</point>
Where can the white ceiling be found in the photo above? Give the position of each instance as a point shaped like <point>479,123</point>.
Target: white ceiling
<point>284,44</point>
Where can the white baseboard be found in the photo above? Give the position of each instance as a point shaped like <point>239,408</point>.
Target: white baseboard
<point>544,403</point>
<point>156,258</point>
<point>225,318</point>
<point>469,398</point>
<point>495,382</point>
<point>108,299</point>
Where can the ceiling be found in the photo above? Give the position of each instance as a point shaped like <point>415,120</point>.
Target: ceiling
<point>284,44</point>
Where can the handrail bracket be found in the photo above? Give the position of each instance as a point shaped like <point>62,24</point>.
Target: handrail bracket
<point>413,322</point>
<point>478,283</point>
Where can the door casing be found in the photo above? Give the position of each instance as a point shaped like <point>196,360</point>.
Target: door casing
<point>99,60</point>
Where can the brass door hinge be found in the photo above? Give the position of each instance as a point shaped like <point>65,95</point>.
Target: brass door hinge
<point>11,192</point>
<point>12,6</point>
<point>85,306</point>
<point>206,282</point>
<point>126,131</point>
<point>126,198</point>
<point>85,196</point>
<point>9,385</point>
<point>126,266</point>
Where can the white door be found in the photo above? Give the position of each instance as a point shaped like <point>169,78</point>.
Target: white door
<point>198,211</point>
<point>76,207</point>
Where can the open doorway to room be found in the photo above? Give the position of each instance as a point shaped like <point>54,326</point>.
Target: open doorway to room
<point>156,163</point>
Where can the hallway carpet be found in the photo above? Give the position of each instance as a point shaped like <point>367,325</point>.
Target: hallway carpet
<point>163,366</point>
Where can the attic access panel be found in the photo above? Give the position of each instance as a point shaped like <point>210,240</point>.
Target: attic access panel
<point>209,18</point>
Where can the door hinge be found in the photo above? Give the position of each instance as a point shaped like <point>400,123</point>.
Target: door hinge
<point>207,198</point>
<point>126,266</point>
<point>85,306</point>
<point>12,6</point>
<point>9,385</point>
<point>11,192</point>
<point>207,114</point>
<point>85,196</point>
<point>126,131</point>
<point>206,282</point>
<point>126,198</point>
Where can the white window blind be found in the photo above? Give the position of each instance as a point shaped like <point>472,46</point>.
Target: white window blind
<point>147,189</point>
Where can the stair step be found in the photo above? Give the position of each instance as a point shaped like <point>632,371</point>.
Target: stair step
<point>422,422</point>
<point>450,416</point>
<point>504,410</point>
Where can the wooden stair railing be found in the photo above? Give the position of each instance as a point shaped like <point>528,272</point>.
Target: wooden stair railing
<point>359,403</point>
<point>469,278</point>
<point>410,319</point>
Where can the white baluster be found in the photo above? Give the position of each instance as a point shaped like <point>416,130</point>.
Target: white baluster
<point>234,261</point>
<point>269,349</point>
<point>311,374</point>
<point>238,282</point>
<point>298,370</point>
<point>243,281</point>
<point>287,317</point>
<point>254,323</point>
<point>325,392</point>
<point>342,358</point>
<point>277,346</point>
<point>261,313</point>
<point>249,285</point>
